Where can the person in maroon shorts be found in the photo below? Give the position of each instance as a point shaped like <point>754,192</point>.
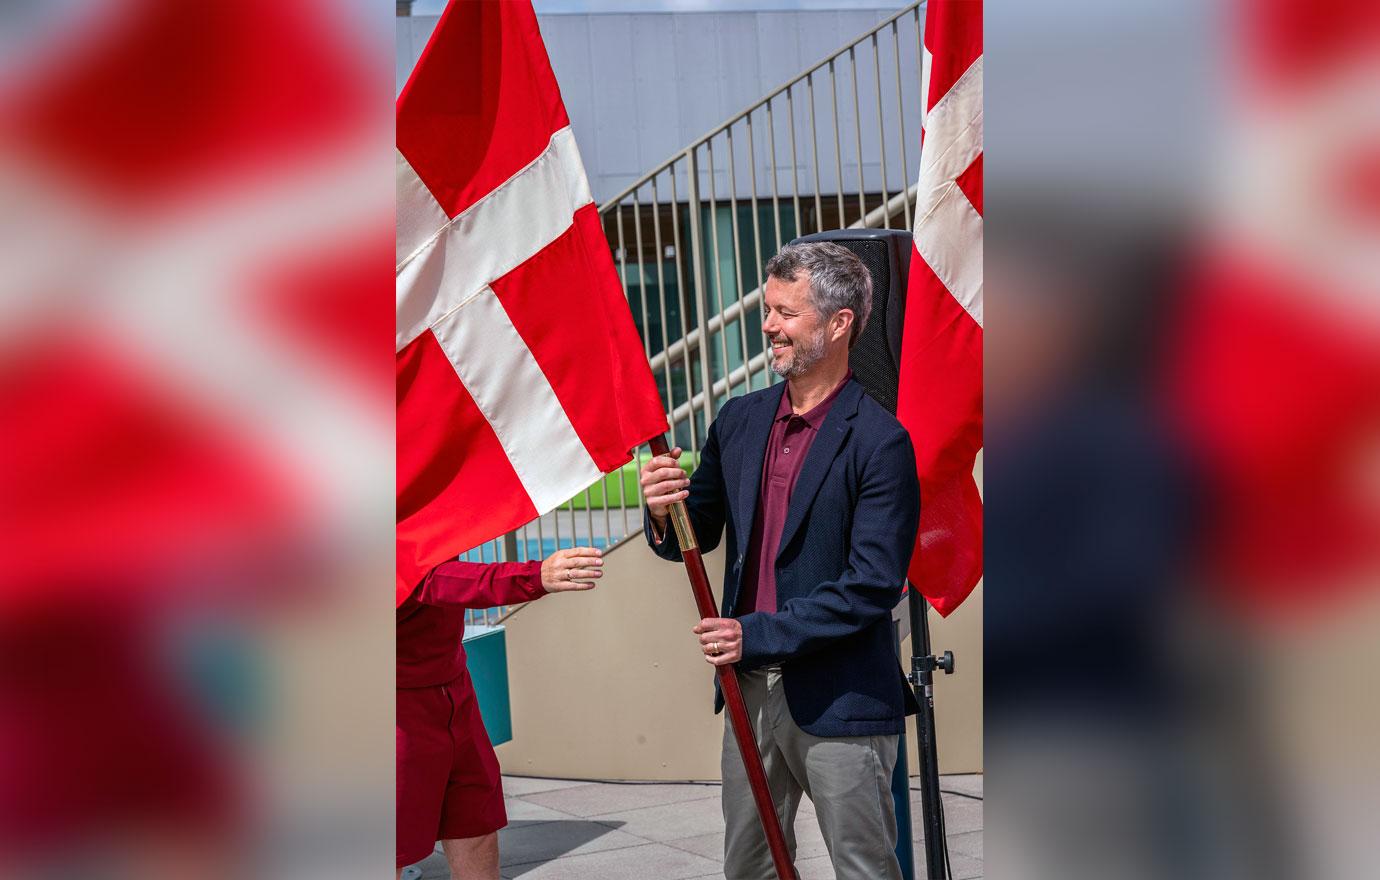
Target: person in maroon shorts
<point>449,787</point>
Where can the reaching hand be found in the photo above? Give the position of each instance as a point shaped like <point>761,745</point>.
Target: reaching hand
<point>574,569</point>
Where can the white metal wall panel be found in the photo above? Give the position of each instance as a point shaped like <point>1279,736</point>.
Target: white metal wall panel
<point>616,111</point>
<point>567,39</point>
<point>640,86</point>
<point>654,51</point>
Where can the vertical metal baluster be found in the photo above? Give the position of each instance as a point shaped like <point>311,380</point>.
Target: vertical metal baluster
<point>681,278</point>
<point>589,514</point>
<point>795,163</point>
<point>642,298</point>
<point>574,527</point>
<point>641,277</point>
<point>901,122</point>
<point>607,493</point>
<point>838,143</point>
<point>814,143</point>
<point>556,528</point>
<point>697,261</point>
<point>737,255</point>
<point>756,242</point>
<point>623,253</point>
<point>881,130</point>
<point>857,135</point>
<point>775,186</point>
<point>661,287</point>
<point>665,344</point>
<point>541,541</point>
<point>718,267</point>
<point>641,274</point>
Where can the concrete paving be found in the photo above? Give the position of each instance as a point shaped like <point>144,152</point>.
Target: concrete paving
<point>575,830</point>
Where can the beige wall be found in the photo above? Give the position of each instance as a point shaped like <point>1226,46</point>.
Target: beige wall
<point>610,684</point>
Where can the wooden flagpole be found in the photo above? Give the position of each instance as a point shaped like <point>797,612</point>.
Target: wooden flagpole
<point>728,682</point>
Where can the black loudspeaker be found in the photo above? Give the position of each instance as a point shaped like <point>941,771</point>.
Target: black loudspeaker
<point>876,356</point>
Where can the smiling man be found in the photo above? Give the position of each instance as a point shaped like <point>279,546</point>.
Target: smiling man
<point>814,485</point>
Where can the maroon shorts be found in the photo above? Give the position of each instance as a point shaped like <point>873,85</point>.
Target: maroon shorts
<point>448,778</point>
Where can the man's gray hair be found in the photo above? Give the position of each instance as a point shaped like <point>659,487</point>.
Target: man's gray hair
<point>838,279</point>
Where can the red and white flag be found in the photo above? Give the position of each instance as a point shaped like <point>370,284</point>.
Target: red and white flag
<point>940,391</point>
<point>520,375</point>
<point>1273,360</point>
<point>186,321</point>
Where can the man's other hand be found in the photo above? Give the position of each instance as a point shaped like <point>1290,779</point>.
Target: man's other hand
<point>574,569</point>
<point>721,639</point>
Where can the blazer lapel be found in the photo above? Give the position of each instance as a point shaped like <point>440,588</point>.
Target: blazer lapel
<point>832,434</point>
<point>754,448</point>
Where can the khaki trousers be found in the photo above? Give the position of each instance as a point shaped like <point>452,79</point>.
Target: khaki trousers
<point>847,778</point>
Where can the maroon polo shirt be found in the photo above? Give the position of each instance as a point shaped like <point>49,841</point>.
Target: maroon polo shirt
<point>789,443</point>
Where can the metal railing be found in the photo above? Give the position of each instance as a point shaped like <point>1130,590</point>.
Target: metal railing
<point>691,236</point>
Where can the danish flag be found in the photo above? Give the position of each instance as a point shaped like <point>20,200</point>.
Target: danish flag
<point>190,276</point>
<point>520,375</point>
<point>940,389</point>
<point>1273,358</point>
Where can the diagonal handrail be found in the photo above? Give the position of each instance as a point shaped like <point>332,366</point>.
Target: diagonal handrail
<point>913,9</point>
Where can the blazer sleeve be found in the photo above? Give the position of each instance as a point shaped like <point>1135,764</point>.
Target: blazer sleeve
<point>481,584</point>
<point>884,526</point>
<point>706,503</point>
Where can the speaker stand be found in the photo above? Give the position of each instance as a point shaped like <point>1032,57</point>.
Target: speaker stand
<point>923,665</point>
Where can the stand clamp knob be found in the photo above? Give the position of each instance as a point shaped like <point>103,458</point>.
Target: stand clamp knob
<point>945,662</point>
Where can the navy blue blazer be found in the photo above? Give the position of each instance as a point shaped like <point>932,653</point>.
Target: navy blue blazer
<point>849,531</point>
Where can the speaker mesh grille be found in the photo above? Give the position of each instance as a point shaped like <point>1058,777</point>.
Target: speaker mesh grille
<point>876,358</point>
<point>871,359</point>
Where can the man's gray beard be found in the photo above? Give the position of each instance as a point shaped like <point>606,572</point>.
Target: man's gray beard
<point>804,355</point>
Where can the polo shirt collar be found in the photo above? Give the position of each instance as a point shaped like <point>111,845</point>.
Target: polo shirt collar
<point>815,417</point>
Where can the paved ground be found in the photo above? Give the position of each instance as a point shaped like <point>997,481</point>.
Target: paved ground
<point>560,829</point>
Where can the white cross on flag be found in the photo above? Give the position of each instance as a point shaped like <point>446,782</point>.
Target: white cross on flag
<point>940,389</point>
<point>520,375</point>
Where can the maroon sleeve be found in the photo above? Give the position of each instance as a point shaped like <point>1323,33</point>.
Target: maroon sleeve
<point>481,584</point>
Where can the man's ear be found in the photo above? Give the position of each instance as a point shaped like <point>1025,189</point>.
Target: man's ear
<point>841,325</point>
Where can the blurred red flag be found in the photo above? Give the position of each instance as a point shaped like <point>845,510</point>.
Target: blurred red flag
<point>940,389</point>
<point>1274,375</point>
<point>520,375</point>
<point>1280,412</point>
<point>147,175</point>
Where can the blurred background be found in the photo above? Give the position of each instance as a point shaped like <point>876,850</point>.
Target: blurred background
<point>1182,466</point>
<point>1183,431</point>
<point>196,487</point>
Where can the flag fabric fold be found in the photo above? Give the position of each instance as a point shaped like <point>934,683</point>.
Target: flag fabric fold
<point>520,375</point>
<point>940,389</point>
